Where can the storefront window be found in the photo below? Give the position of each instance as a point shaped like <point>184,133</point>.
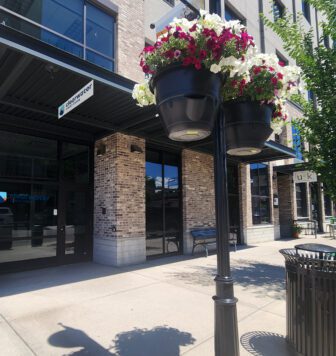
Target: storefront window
<point>163,208</point>
<point>260,193</point>
<point>43,198</point>
<point>301,200</point>
<point>85,31</point>
<point>27,157</point>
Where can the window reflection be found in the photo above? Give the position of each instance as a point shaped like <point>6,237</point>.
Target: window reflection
<point>28,224</point>
<point>301,200</point>
<point>75,161</point>
<point>260,193</point>
<point>29,189</point>
<point>99,31</point>
<point>23,156</point>
<point>162,203</point>
<point>62,23</point>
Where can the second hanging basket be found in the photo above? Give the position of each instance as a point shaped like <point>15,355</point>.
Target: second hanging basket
<point>247,126</point>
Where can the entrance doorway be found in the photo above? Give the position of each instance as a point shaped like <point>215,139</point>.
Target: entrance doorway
<point>74,230</point>
<point>163,203</point>
<point>315,205</point>
<point>45,211</point>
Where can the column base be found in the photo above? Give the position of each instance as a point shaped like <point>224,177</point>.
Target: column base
<point>119,251</point>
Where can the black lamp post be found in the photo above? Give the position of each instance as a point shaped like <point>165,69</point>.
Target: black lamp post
<point>226,324</point>
<point>189,118</point>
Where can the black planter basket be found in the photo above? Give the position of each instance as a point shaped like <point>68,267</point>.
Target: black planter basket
<point>247,126</point>
<point>187,100</point>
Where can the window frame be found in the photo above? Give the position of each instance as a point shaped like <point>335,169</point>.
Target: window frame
<point>304,205</point>
<point>260,196</point>
<point>236,14</point>
<point>110,12</point>
<point>281,58</point>
<point>95,3</point>
<point>298,143</point>
<point>281,7</point>
<point>306,10</point>
<point>326,40</point>
<point>170,2</point>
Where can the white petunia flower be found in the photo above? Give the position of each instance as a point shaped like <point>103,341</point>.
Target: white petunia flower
<point>235,25</point>
<point>277,126</point>
<point>142,94</point>
<point>215,68</point>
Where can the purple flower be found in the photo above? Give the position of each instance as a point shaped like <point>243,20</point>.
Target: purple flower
<point>177,53</point>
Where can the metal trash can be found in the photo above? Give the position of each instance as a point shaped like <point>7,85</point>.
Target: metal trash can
<point>311,299</point>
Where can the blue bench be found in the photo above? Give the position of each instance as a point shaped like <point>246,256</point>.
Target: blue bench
<point>207,236</point>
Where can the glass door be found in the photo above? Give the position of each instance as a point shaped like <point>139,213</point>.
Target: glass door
<point>74,226</point>
<point>74,222</point>
<point>163,213</point>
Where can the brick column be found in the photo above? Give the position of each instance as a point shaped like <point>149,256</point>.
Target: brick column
<point>287,204</point>
<point>245,201</point>
<point>276,217</point>
<point>198,194</point>
<point>119,189</point>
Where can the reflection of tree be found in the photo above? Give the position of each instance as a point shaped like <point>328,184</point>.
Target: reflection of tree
<point>152,193</point>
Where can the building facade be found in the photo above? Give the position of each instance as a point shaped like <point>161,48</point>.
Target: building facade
<point>104,183</point>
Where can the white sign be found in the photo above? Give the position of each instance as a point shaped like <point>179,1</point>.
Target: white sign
<point>83,94</point>
<point>305,177</point>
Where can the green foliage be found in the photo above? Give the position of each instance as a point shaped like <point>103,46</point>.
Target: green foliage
<point>318,63</point>
<point>296,228</point>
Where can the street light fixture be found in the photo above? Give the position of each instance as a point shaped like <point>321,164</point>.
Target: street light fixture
<point>189,110</point>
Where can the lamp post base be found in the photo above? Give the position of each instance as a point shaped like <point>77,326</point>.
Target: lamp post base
<point>226,330</point>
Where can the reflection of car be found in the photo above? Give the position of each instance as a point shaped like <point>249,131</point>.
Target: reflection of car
<point>6,226</point>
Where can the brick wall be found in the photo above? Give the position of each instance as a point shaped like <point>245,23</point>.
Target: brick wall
<point>287,206</point>
<point>198,193</point>
<point>130,37</point>
<point>119,235</point>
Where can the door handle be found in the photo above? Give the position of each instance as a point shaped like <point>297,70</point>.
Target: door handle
<point>62,228</point>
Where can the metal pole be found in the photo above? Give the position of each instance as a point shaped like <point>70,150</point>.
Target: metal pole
<point>226,325</point>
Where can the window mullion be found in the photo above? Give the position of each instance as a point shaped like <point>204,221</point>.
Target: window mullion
<point>84,30</point>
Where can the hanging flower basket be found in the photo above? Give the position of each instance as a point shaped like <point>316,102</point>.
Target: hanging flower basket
<point>187,100</point>
<point>247,126</point>
<point>254,99</point>
<point>187,63</point>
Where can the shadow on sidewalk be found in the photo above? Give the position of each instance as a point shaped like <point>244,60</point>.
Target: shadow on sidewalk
<point>263,343</point>
<point>161,340</point>
<point>270,278</point>
<point>76,338</point>
<point>27,281</point>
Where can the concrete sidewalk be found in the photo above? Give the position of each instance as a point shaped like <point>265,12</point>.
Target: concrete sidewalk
<point>161,308</point>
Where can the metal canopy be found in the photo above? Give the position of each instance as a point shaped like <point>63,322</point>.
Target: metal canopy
<point>36,78</point>
<point>290,168</point>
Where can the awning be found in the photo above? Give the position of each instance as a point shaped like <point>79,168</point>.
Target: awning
<point>36,78</point>
<point>290,168</point>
